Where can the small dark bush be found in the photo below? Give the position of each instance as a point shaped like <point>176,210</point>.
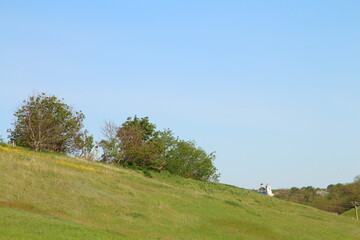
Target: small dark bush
<point>147,173</point>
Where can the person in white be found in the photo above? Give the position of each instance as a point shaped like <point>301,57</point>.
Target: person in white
<point>268,190</point>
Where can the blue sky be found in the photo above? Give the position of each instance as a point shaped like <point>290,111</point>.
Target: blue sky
<point>271,86</point>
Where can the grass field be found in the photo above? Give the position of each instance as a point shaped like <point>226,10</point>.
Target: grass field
<point>52,196</point>
<point>351,214</point>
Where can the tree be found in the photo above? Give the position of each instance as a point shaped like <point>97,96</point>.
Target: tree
<point>188,160</point>
<point>111,143</point>
<point>166,142</point>
<point>148,129</point>
<point>83,143</point>
<point>135,150</point>
<point>137,142</point>
<point>46,123</point>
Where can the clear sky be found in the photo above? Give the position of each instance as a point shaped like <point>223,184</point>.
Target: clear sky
<point>272,86</point>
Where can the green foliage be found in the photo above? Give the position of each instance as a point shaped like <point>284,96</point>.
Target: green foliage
<point>138,143</point>
<point>46,123</point>
<point>135,150</point>
<point>147,173</point>
<point>143,145</point>
<point>188,160</point>
<point>147,129</point>
<point>83,143</point>
<point>336,198</point>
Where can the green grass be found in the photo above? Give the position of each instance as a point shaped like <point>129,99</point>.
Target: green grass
<point>351,213</point>
<point>19,224</point>
<point>52,196</point>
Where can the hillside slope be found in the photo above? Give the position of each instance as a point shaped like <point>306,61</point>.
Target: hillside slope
<point>350,213</point>
<point>50,196</point>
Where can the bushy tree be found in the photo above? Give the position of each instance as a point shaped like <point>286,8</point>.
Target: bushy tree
<point>138,143</point>
<point>190,161</point>
<point>147,129</point>
<point>46,123</point>
<point>137,149</point>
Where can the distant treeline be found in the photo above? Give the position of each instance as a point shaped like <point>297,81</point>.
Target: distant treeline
<point>45,123</point>
<point>336,198</point>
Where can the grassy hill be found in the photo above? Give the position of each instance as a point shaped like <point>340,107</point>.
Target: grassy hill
<point>350,213</point>
<point>51,196</point>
